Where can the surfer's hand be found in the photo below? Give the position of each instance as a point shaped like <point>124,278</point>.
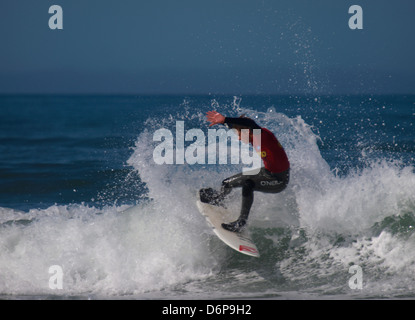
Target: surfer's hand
<point>214,117</point>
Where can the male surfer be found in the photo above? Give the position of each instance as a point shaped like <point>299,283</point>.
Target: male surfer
<point>273,177</point>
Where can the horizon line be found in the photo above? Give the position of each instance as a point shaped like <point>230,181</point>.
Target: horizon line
<point>202,94</point>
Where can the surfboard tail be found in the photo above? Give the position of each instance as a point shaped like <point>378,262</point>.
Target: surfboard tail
<point>239,241</point>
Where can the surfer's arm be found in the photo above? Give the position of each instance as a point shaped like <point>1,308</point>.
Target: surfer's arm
<point>215,117</point>
<point>241,122</point>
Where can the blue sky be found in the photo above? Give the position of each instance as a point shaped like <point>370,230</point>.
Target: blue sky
<point>186,47</point>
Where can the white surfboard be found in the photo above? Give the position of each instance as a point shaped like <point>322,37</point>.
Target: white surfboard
<point>240,241</point>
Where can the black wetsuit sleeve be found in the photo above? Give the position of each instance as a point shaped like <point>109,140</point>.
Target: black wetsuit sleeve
<point>243,122</point>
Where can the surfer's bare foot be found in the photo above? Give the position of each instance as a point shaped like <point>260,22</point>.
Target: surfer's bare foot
<point>236,226</point>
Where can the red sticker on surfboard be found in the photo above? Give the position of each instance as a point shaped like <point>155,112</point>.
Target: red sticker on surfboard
<point>247,249</point>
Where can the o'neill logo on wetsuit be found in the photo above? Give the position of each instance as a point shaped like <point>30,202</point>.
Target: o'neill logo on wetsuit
<point>269,183</point>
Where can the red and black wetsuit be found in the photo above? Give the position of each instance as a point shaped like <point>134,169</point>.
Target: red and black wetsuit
<point>269,148</point>
<point>272,178</point>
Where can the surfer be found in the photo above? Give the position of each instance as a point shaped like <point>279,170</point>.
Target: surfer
<point>273,177</point>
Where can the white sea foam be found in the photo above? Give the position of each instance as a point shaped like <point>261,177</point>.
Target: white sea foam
<point>143,249</point>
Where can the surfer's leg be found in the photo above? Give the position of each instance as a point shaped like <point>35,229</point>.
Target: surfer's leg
<point>236,181</point>
<point>247,200</point>
<point>264,181</point>
<point>211,196</point>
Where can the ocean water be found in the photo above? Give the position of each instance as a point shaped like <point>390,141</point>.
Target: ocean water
<point>79,189</point>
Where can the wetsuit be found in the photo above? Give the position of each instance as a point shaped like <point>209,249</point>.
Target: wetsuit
<point>272,178</point>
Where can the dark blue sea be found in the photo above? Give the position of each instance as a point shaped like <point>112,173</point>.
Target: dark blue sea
<point>79,189</point>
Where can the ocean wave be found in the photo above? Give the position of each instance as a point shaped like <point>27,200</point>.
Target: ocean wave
<point>308,236</point>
